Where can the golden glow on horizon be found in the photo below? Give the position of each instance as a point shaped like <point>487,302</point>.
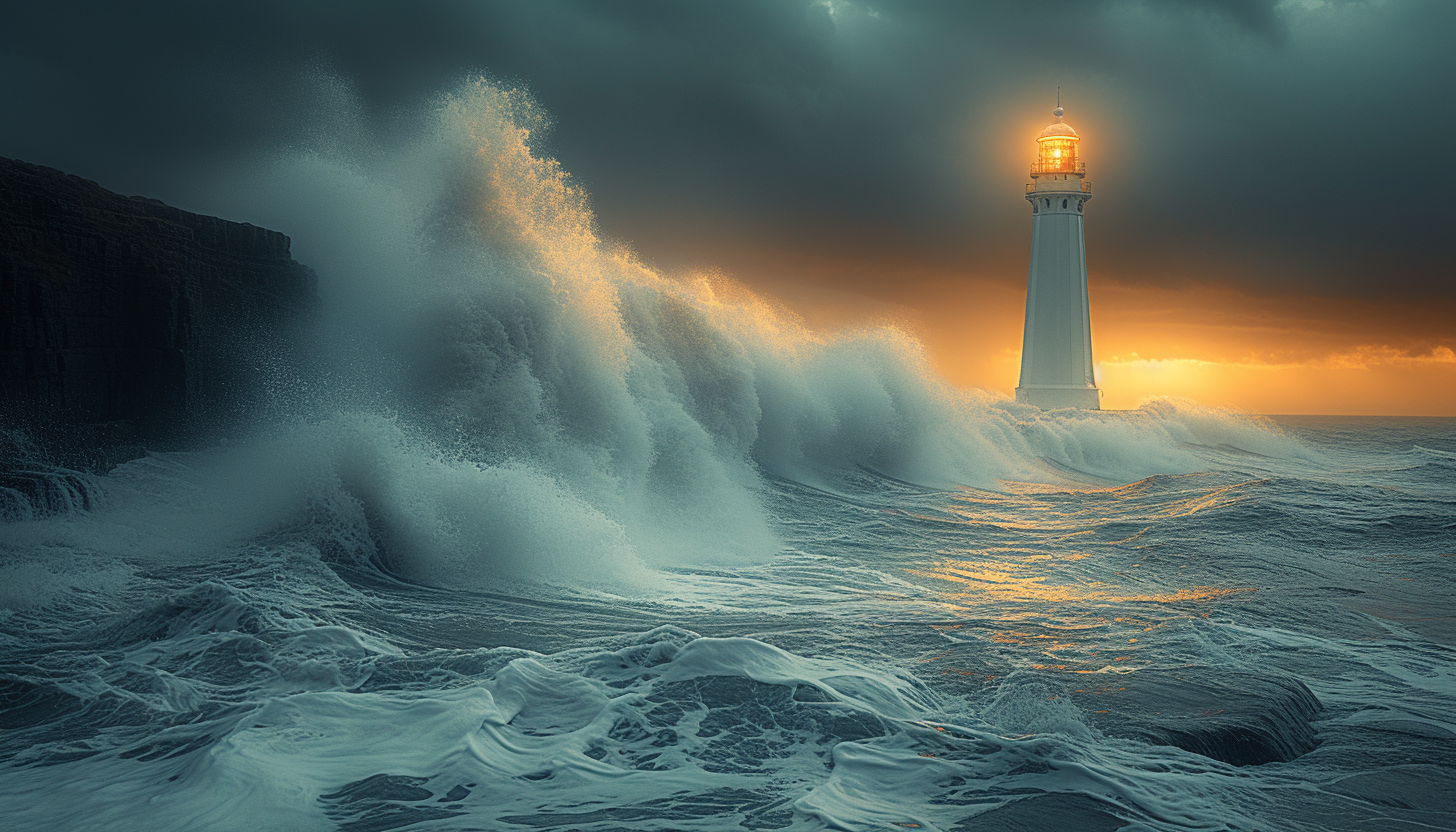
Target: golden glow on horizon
<point>1180,334</point>
<point>1367,380</point>
<point>1214,345</point>
<point>1202,341</point>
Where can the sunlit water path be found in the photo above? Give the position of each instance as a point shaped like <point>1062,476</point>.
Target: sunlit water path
<point>1265,645</point>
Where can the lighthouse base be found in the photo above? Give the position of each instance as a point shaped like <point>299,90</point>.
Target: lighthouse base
<point>1053,398</point>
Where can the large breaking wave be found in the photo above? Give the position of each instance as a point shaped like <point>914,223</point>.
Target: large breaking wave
<point>500,393</point>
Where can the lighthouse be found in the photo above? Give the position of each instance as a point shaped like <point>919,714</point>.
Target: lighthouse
<point>1056,347</point>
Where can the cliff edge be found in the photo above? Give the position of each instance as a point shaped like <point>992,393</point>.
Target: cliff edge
<point>123,319</point>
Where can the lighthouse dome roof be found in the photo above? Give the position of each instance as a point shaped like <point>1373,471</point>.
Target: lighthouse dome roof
<point>1058,129</point>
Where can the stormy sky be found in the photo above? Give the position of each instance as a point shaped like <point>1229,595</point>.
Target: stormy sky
<point>1276,148</point>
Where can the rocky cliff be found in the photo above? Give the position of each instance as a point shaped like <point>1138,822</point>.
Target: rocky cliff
<point>124,317</point>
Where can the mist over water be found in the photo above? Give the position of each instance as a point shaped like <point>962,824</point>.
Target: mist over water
<point>483,325</point>
<point>546,539</point>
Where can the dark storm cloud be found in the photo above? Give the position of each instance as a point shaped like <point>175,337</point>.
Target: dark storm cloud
<point>1277,145</point>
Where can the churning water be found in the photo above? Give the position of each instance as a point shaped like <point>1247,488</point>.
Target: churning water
<point>548,541</point>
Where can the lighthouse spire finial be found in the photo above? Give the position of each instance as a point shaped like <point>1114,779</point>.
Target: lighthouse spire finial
<point>1058,111</point>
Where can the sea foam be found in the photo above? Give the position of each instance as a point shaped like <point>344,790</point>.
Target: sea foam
<point>501,394</point>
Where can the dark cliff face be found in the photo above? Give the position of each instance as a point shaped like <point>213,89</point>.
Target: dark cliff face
<point>124,317</point>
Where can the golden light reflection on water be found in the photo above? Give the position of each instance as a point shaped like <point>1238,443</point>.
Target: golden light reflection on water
<point>1063,592</point>
<point>1078,625</point>
<point>1107,503</point>
<point>1002,582</point>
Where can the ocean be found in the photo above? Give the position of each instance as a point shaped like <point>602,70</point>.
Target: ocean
<point>547,540</point>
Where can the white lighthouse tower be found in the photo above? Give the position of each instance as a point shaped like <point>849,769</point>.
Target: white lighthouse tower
<point>1056,350</point>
